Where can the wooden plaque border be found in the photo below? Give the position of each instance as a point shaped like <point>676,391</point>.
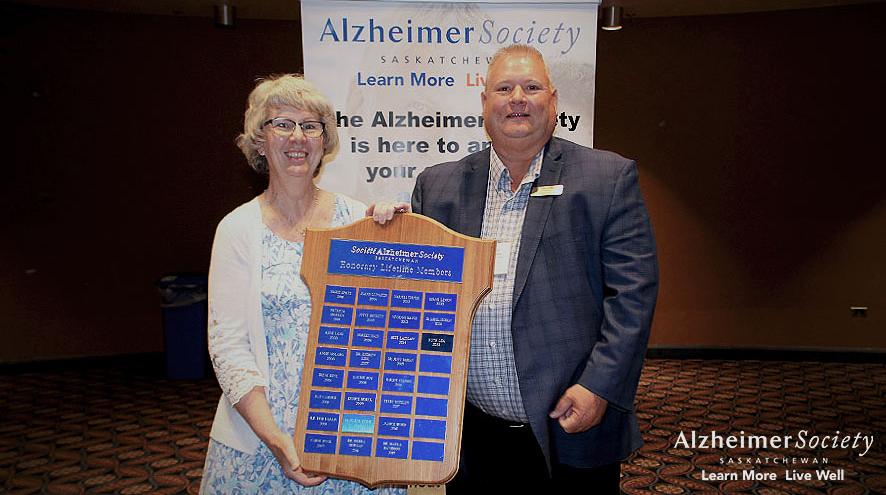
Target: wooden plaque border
<point>477,274</point>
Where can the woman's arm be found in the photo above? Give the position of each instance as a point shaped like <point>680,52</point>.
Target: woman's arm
<point>229,281</point>
<point>255,410</point>
<point>231,351</point>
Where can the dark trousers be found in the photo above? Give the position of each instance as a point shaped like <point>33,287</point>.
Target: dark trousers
<point>501,455</point>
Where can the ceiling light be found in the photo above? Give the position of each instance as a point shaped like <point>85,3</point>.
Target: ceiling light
<point>224,15</point>
<point>611,18</point>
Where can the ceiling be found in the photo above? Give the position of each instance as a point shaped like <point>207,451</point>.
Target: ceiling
<point>289,9</point>
<point>670,8</point>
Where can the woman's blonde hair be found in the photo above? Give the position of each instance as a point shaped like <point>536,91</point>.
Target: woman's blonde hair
<point>290,90</point>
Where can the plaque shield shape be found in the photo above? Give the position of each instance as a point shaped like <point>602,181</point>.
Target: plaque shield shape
<point>383,385</point>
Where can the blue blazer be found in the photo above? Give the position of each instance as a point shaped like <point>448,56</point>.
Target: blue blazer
<point>585,288</point>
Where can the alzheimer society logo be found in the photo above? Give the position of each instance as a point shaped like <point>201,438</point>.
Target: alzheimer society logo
<point>346,30</point>
<point>751,467</point>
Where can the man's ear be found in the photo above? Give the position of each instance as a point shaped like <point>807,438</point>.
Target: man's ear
<point>556,106</point>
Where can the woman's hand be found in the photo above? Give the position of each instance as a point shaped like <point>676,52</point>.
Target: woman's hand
<point>255,410</point>
<point>283,449</point>
<point>382,212</point>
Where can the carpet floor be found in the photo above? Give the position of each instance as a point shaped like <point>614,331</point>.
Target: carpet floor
<point>102,429</point>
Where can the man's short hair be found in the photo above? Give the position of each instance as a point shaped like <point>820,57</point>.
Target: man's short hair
<point>518,50</point>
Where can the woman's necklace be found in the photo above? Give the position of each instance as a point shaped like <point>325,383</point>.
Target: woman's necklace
<point>300,225</point>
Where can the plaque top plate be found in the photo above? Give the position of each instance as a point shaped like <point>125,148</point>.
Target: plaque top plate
<point>396,260</point>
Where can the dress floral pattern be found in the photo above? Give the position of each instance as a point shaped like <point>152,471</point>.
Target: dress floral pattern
<point>286,314</point>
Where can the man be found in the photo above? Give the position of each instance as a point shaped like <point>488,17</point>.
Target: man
<point>558,345</point>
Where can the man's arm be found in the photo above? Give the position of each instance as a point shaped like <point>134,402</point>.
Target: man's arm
<point>630,288</point>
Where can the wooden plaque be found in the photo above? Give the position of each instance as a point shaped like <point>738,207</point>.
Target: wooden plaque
<point>383,385</point>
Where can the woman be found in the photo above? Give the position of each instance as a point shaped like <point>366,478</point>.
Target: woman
<point>259,308</point>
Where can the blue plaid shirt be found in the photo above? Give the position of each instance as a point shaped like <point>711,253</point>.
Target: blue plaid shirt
<point>492,372</point>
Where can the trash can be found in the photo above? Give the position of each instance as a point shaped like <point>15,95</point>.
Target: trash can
<point>184,325</point>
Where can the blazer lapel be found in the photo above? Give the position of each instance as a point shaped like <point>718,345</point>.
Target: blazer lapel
<point>536,215</point>
<point>473,194</point>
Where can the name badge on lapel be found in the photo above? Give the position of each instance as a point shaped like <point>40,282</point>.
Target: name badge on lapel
<point>541,191</point>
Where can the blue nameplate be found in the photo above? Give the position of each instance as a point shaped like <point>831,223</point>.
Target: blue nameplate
<point>430,428</point>
<point>328,378</point>
<point>404,319</point>
<point>371,318</point>
<point>398,361</point>
<point>439,322</point>
<point>333,335</point>
<point>409,261</point>
<point>436,301</point>
<point>437,385</point>
<point>365,359</point>
<point>430,407</point>
<point>330,356</point>
<point>402,340</point>
<point>406,299</point>
<point>393,427</point>
<point>337,315</point>
<point>367,338</point>
<point>358,423</point>
<point>435,364</point>
<point>399,404</point>
<point>322,421</point>
<point>398,383</point>
<point>321,399</point>
<point>427,451</point>
<point>363,379</point>
<point>340,295</point>
<point>436,342</point>
<point>320,444</point>
<point>361,446</point>
<point>390,448</point>
<point>358,401</point>
<point>373,297</point>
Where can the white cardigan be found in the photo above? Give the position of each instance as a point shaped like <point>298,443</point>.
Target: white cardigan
<point>237,342</point>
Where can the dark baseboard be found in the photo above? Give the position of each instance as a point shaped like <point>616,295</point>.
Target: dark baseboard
<point>770,354</point>
<point>146,363</point>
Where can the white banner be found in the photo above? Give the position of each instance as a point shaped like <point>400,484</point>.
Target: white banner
<point>406,79</point>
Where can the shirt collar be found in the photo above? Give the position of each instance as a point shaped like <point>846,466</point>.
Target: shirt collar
<point>500,176</point>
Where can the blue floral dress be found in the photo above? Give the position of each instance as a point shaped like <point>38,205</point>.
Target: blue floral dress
<point>286,313</point>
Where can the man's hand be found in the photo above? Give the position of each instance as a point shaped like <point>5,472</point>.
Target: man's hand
<point>382,212</point>
<point>579,409</point>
